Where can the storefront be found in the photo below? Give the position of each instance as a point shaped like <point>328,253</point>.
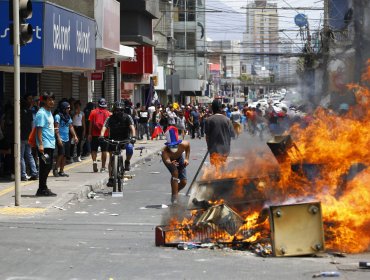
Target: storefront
<point>62,51</point>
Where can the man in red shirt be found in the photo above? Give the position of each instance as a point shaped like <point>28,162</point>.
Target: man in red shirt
<point>97,119</point>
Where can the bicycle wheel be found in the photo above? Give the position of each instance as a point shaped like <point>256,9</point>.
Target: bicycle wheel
<point>115,173</point>
<point>120,172</point>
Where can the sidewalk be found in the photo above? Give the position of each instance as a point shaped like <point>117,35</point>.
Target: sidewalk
<point>81,181</point>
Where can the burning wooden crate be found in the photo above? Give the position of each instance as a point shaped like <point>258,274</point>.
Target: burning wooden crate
<point>297,229</point>
<point>220,217</point>
<point>216,224</point>
<point>171,236</point>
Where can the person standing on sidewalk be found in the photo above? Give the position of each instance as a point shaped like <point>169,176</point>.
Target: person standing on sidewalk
<point>219,131</point>
<point>143,123</point>
<point>173,159</point>
<point>121,127</point>
<point>26,150</point>
<point>78,122</point>
<point>45,141</point>
<point>97,119</point>
<point>63,126</point>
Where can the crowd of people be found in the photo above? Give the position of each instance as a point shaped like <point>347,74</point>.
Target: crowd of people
<point>74,133</point>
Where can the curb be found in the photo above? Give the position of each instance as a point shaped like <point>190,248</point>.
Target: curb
<point>96,186</point>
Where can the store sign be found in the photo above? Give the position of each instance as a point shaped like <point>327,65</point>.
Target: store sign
<point>31,54</point>
<point>141,63</point>
<point>69,39</point>
<point>97,76</point>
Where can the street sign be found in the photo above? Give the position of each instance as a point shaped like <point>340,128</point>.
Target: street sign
<point>301,20</point>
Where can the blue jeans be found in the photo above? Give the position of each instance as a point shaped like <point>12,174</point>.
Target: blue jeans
<point>26,156</point>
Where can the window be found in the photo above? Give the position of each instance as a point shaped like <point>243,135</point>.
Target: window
<point>185,43</point>
<point>185,10</point>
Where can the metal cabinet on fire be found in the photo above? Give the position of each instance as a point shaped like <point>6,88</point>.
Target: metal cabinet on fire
<point>297,229</point>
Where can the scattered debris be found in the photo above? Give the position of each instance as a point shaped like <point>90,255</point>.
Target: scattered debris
<point>187,246</point>
<point>338,254</point>
<point>364,264</point>
<point>114,214</point>
<point>91,195</point>
<point>156,206</point>
<point>60,208</point>
<point>154,172</point>
<point>81,212</point>
<point>327,274</point>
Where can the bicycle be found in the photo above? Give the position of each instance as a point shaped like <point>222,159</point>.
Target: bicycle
<point>118,169</point>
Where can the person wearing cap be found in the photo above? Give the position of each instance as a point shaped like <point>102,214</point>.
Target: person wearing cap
<point>45,141</point>
<point>97,119</point>
<point>219,131</point>
<point>173,158</point>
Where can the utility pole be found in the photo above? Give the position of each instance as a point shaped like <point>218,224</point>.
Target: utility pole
<point>17,128</point>
<point>19,11</point>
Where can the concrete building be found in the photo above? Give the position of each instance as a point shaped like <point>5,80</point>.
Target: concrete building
<point>225,69</point>
<point>189,50</point>
<point>261,39</point>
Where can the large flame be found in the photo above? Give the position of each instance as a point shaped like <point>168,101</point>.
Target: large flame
<point>332,156</point>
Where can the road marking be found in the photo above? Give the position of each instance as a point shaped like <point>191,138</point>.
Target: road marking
<point>11,188</point>
<point>20,211</point>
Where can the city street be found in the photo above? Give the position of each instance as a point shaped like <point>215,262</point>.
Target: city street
<point>113,238</point>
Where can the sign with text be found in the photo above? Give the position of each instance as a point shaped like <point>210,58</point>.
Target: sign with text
<point>31,54</point>
<point>69,39</point>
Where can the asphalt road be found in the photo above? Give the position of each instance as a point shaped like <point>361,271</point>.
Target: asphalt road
<point>113,238</point>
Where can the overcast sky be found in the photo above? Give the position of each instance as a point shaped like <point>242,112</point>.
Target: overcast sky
<point>230,23</point>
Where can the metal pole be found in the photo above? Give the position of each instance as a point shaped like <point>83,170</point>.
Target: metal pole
<point>196,174</point>
<point>17,134</point>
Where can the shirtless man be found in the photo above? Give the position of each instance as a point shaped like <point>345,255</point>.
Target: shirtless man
<point>173,158</point>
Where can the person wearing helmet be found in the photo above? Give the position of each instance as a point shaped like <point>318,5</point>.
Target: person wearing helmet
<point>121,127</point>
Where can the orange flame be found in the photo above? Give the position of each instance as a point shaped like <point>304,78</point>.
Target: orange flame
<point>336,150</point>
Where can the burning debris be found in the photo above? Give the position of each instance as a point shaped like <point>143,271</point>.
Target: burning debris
<point>320,170</point>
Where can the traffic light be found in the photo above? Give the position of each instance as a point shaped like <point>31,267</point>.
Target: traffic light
<point>25,29</point>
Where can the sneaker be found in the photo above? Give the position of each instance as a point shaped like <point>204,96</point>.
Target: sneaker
<point>110,182</point>
<point>127,165</point>
<point>103,170</point>
<point>34,178</point>
<point>62,174</point>
<point>45,192</point>
<point>55,173</point>
<point>95,166</point>
<point>24,179</point>
<point>79,159</point>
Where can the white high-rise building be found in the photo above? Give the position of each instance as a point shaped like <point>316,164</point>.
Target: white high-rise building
<point>261,39</point>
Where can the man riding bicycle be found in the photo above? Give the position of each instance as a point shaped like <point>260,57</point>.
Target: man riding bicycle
<point>121,127</point>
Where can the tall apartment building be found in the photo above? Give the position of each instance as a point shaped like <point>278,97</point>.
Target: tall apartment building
<point>189,48</point>
<point>260,39</point>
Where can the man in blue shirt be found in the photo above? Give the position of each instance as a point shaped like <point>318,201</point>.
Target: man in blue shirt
<point>63,125</point>
<point>45,141</point>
